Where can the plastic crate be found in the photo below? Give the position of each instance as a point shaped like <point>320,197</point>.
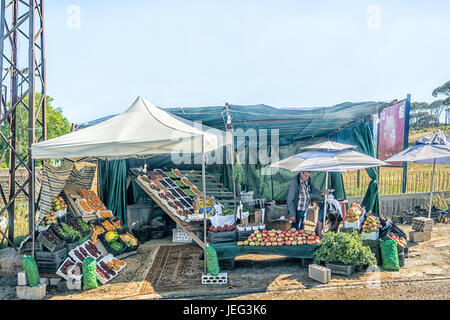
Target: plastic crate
<point>28,246</point>
<point>66,239</point>
<point>44,256</point>
<point>371,235</point>
<point>180,236</point>
<point>401,259</point>
<point>243,235</point>
<point>341,269</point>
<point>76,221</point>
<point>221,278</point>
<point>124,231</point>
<point>47,244</point>
<point>71,246</point>
<point>143,234</point>
<point>225,236</point>
<point>108,247</point>
<point>226,264</point>
<point>408,219</point>
<point>352,225</point>
<point>47,267</point>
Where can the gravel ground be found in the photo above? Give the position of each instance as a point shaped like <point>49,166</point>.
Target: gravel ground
<point>263,277</point>
<point>419,290</point>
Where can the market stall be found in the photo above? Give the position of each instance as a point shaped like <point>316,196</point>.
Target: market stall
<point>328,156</point>
<point>76,225</point>
<point>142,130</point>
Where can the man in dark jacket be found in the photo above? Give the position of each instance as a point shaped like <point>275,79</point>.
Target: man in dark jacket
<point>299,198</point>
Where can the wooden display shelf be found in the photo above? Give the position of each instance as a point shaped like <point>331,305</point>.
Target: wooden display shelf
<point>181,223</point>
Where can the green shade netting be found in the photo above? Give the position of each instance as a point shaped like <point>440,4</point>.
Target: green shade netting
<point>297,128</point>
<point>113,177</point>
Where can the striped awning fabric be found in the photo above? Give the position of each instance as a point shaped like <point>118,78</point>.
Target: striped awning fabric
<point>55,178</point>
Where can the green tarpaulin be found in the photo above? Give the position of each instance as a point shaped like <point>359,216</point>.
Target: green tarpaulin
<point>113,177</point>
<point>229,250</point>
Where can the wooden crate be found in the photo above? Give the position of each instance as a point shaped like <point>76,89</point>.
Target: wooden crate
<point>70,190</point>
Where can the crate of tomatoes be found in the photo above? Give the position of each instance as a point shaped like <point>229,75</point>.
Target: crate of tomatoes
<point>225,233</point>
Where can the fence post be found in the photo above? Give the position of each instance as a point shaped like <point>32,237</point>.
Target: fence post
<point>405,144</point>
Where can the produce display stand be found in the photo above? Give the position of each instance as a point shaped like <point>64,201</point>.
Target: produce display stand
<point>185,226</point>
<point>215,189</point>
<point>142,130</point>
<point>230,250</point>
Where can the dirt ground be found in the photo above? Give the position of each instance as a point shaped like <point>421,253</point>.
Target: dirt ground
<point>426,275</point>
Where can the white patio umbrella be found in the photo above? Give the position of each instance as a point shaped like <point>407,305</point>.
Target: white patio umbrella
<point>328,156</point>
<point>434,148</point>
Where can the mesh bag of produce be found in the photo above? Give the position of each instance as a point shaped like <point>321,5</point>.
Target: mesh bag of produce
<point>389,255</point>
<point>212,262</point>
<point>89,268</point>
<point>31,271</point>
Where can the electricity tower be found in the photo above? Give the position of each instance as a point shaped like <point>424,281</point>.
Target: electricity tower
<point>22,104</point>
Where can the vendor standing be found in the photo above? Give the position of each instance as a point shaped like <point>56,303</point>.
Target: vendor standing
<point>299,198</point>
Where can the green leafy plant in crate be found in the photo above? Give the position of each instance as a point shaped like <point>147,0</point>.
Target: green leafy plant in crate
<point>345,248</point>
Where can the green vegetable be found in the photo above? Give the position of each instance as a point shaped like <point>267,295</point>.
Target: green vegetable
<point>227,212</point>
<point>111,236</point>
<point>89,268</point>
<point>389,255</point>
<point>117,246</point>
<point>189,192</point>
<point>83,225</point>
<point>346,248</point>
<point>67,231</point>
<point>179,183</point>
<point>31,271</point>
<point>212,262</point>
<point>171,175</point>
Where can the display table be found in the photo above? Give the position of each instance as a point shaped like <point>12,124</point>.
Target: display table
<point>230,250</point>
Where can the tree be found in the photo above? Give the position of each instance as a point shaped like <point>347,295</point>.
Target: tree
<point>57,125</point>
<point>424,115</point>
<point>420,116</point>
<point>443,90</point>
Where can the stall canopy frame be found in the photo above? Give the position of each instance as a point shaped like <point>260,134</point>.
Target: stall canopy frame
<point>128,135</point>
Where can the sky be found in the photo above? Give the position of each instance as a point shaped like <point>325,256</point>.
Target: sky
<point>102,55</point>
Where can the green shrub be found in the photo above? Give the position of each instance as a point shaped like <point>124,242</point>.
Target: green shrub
<point>346,248</point>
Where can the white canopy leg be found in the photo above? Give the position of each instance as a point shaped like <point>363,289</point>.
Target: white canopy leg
<point>204,199</point>
<point>325,203</point>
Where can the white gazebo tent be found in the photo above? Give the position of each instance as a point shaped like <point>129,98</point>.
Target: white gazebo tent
<point>140,131</point>
<point>434,148</point>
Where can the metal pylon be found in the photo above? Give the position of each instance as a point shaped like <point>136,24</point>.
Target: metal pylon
<point>23,101</point>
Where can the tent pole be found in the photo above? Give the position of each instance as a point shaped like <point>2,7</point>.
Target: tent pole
<point>204,198</point>
<point>325,203</point>
<point>32,214</point>
<point>431,189</point>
